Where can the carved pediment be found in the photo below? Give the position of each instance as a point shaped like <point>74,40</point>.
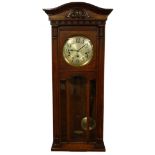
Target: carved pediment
<point>77,13</point>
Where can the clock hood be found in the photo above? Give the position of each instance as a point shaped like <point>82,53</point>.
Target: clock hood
<point>79,11</point>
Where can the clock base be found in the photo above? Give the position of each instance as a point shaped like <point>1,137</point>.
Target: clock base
<point>78,147</point>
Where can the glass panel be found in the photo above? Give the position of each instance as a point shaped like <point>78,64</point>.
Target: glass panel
<point>74,111</point>
<point>77,106</point>
<point>63,110</point>
<point>92,123</point>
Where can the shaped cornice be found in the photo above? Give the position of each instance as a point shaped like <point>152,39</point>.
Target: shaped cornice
<point>77,13</point>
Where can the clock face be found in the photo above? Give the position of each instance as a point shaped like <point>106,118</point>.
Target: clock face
<point>78,51</point>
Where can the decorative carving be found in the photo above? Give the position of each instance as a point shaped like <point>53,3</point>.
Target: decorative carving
<point>78,22</point>
<point>77,13</point>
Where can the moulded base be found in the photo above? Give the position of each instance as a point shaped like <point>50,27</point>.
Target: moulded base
<point>80,146</point>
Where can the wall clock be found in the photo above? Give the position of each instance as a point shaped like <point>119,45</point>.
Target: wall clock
<point>78,34</point>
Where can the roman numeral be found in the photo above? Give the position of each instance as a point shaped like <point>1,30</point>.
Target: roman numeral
<point>77,40</point>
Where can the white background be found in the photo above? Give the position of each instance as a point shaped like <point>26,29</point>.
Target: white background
<point>25,77</point>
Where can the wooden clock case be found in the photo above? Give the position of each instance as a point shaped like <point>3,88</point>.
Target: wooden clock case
<point>78,91</point>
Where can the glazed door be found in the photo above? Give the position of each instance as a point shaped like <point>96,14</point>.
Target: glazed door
<point>78,106</point>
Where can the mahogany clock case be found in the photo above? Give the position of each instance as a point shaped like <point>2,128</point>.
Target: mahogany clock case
<point>78,92</point>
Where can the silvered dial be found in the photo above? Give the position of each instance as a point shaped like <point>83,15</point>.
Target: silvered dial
<point>78,51</point>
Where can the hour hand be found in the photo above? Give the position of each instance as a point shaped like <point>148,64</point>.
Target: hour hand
<point>72,50</point>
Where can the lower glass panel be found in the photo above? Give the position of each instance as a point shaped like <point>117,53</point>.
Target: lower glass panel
<point>75,112</point>
<point>63,102</point>
<point>92,109</point>
<point>77,107</point>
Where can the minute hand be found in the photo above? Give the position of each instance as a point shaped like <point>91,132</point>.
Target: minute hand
<point>81,48</point>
